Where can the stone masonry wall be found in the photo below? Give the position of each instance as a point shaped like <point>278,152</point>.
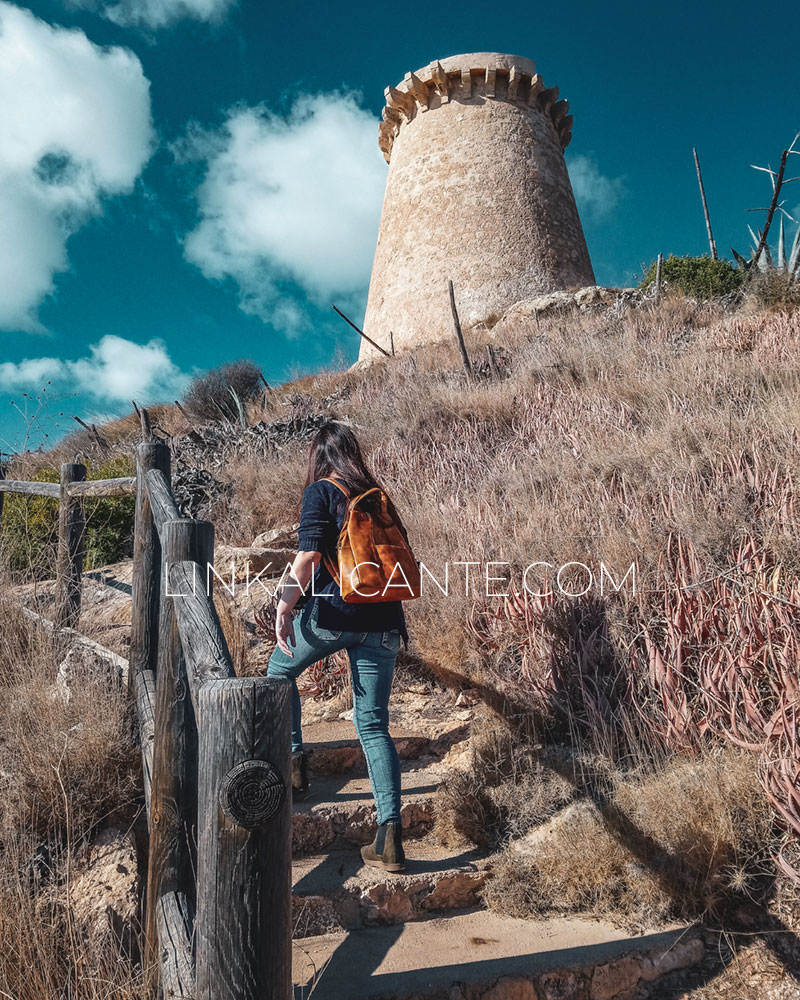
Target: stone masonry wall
<point>478,192</point>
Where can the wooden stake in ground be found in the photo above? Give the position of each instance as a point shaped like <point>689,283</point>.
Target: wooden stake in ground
<point>459,335</point>
<point>360,332</point>
<point>659,262</point>
<point>712,245</point>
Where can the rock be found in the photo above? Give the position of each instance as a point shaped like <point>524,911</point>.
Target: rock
<point>386,904</point>
<point>418,687</point>
<point>511,988</point>
<point>565,826</point>
<point>239,563</point>
<point>456,891</point>
<point>81,666</point>
<point>542,304</point>
<point>562,985</point>
<point>682,955</point>
<point>609,981</point>
<point>584,298</point>
<point>464,716</point>
<point>277,538</point>
<point>335,760</point>
<point>596,295</point>
<point>104,892</point>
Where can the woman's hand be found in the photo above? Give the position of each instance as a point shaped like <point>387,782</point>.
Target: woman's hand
<point>300,575</point>
<point>284,630</point>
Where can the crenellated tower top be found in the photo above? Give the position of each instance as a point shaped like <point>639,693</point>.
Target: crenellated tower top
<point>471,78</point>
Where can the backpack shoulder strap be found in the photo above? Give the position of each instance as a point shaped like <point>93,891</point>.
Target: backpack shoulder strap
<point>330,479</point>
<point>329,563</point>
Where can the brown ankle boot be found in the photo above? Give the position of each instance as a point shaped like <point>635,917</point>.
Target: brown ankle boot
<point>386,850</point>
<point>299,773</point>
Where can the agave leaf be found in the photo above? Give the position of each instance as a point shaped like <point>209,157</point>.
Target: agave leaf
<point>756,240</point>
<point>741,263</point>
<point>793,264</point>
<point>239,407</point>
<point>225,416</point>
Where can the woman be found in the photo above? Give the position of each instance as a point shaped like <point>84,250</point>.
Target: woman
<point>370,633</point>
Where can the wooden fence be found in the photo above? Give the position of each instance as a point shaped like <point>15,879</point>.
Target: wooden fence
<point>215,748</point>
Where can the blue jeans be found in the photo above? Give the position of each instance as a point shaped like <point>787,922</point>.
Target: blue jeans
<point>372,657</point>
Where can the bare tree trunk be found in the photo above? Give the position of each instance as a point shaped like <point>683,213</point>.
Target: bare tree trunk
<point>772,207</point>
<point>712,245</point>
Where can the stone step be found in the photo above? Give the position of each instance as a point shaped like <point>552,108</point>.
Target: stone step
<point>339,809</point>
<point>478,955</point>
<point>334,748</point>
<point>336,891</point>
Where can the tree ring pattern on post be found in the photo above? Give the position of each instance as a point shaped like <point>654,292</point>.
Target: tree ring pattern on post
<point>251,793</point>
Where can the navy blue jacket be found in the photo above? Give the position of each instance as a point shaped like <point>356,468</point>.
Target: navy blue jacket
<point>321,518</point>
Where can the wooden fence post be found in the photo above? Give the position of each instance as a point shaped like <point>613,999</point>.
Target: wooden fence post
<point>173,799</point>
<point>243,924</point>
<point>71,527</point>
<point>145,585</point>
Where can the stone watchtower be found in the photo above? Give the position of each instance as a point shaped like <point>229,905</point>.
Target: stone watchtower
<point>477,192</point>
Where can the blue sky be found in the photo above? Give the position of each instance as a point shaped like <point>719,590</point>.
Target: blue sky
<point>144,130</point>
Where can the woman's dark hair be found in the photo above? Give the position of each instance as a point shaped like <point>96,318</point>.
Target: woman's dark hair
<point>335,451</point>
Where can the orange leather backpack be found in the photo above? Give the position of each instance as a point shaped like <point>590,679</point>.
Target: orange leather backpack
<point>372,552</point>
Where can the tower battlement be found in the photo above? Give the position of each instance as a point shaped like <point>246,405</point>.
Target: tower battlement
<point>477,192</point>
<point>471,78</point>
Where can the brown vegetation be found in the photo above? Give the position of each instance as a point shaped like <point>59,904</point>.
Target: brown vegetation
<point>646,435</point>
<point>68,762</point>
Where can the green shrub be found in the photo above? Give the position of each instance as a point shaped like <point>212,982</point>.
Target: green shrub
<point>30,525</point>
<point>109,520</point>
<point>30,531</point>
<point>698,277</point>
<point>221,392</point>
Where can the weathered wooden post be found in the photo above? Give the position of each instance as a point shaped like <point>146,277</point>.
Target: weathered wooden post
<point>459,334</point>
<point>71,527</point>
<point>243,925</point>
<point>145,586</point>
<point>145,604</point>
<point>173,809</point>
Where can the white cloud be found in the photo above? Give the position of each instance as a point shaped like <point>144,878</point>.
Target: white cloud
<point>597,195</point>
<point>157,13</point>
<point>115,370</point>
<point>293,198</point>
<point>74,126</point>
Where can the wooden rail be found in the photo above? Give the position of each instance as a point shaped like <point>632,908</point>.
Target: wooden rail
<point>215,748</point>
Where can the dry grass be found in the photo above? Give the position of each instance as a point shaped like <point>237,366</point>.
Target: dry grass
<point>610,433</point>
<point>505,788</point>
<point>66,766</point>
<point>688,842</point>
